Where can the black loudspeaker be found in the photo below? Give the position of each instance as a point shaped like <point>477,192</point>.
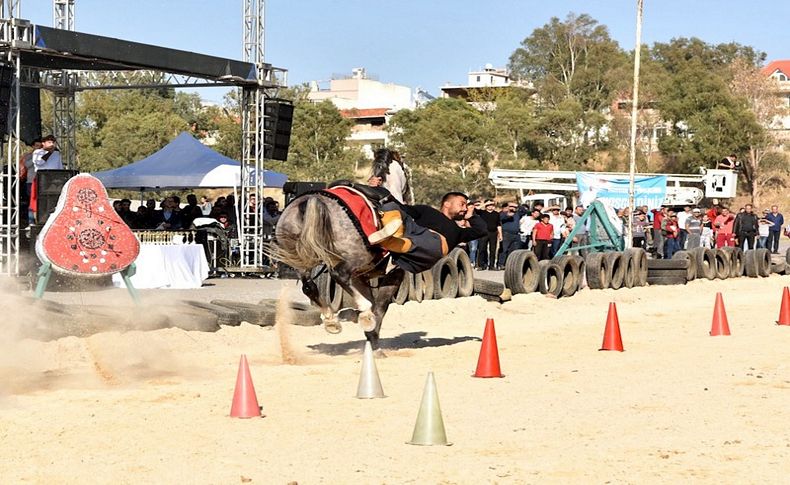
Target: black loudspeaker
<point>49,185</point>
<point>277,123</point>
<point>30,114</point>
<point>6,77</point>
<point>293,190</point>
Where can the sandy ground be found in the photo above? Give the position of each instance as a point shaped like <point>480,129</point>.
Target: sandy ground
<point>676,406</point>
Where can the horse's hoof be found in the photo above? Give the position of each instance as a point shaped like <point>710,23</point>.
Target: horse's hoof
<point>332,326</point>
<point>367,320</point>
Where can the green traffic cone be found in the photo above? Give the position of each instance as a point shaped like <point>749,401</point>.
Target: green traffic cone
<point>429,428</point>
<point>369,383</point>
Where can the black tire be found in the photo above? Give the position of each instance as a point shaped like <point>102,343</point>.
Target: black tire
<point>250,313</point>
<point>488,288</point>
<point>640,265</point>
<point>691,269</point>
<point>445,279</point>
<point>331,293</point>
<point>787,256</point>
<point>706,263</point>
<point>416,287</point>
<point>736,261</point>
<point>187,318</point>
<point>550,278</point>
<point>630,270</point>
<point>666,273</point>
<point>466,276</point>
<point>763,256</point>
<point>779,267</point>
<point>304,314</point>
<point>616,270</point>
<point>666,280</point>
<point>522,272</point>
<point>571,277</point>
<point>722,259</point>
<point>750,264</point>
<point>225,316</point>
<point>402,295</point>
<point>679,263</point>
<point>427,285</point>
<point>582,271</point>
<point>597,271</point>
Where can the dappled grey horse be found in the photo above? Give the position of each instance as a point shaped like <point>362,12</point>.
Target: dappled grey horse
<point>316,230</point>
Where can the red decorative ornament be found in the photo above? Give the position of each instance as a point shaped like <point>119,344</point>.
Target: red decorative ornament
<point>85,236</point>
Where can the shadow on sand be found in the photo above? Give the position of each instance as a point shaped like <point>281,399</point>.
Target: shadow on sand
<point>408,340</point>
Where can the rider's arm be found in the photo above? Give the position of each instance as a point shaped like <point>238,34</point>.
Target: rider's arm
<point>477,229</point>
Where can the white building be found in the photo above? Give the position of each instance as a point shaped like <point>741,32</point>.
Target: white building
<point>481,82</point>
<point>368,102</point>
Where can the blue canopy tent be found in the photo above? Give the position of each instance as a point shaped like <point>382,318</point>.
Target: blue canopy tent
<point>183,163</point>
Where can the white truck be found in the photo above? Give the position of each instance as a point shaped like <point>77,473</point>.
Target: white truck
<point>682,189</point>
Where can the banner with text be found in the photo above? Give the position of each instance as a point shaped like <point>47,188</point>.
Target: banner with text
<point>613,190</point>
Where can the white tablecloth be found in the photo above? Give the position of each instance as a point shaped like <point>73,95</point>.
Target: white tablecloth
<point>180,266</point>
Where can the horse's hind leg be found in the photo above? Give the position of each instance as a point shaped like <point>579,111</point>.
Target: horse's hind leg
<point>310,289</point>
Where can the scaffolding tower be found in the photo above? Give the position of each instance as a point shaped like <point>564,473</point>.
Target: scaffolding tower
<point>67,63</point>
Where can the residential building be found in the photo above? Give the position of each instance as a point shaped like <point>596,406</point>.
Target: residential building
<point>481,82</point>
<point>780,71</point>
<point>368,102</point>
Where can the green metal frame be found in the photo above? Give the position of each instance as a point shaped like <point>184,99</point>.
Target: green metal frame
<point>45,272</point>
<point>596,214</point>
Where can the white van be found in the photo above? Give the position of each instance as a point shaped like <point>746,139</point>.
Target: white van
<point>548,200</point>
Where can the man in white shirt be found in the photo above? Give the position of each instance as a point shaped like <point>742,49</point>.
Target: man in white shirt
<point>47,157</point>
<point>682,218</point>
<point>557,220</point>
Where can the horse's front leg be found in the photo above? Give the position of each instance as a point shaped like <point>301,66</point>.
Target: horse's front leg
<point>310,289</point>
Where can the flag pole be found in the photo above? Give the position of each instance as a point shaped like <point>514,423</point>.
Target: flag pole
<point>634,113</point>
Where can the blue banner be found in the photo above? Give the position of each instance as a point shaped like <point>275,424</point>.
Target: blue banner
<point>613,191</point>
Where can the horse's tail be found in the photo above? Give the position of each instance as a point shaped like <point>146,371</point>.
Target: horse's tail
<point>314,244</point>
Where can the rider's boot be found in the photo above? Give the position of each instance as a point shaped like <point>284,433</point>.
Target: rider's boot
<point>391,225</point>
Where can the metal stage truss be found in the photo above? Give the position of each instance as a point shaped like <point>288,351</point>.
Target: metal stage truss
<point>66,62</point>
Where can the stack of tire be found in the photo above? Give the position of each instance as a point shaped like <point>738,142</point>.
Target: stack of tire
<point>451,277</point>
<point>570,273</point>
<point>711,264</point>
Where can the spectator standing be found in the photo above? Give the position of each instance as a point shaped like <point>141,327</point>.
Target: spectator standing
<point>658,236</point>
<point>746,227</point>
<point>510,218</point>
<point>707,237</point>
<point>671,232</point>
<point>47,157</point>
<point>476,205</point>
<point>694,229</point>
<point>763,230</point>
<point>775,230</point>
<point>682,217</point>
<point>542,235</point>
<point>557,221</point>
<point>723,228</point>
<point>526,225</point>
<point>27,174</point>
<point>205,205</point>
<point>271,214</point>
<point>487,247</point>
<point>582,234</point>
<point>638,227</point>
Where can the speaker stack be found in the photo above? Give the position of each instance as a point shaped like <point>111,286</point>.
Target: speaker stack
<point>277,123</point>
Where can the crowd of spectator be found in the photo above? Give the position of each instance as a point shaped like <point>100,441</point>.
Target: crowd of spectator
<point>662,231</point>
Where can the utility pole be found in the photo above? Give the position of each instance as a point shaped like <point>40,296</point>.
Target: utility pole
<point>629,230</point>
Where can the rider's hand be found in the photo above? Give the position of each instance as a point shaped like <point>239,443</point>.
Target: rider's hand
<point>374,181</point>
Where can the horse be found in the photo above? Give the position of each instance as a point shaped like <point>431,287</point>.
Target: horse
<point>316,230</point>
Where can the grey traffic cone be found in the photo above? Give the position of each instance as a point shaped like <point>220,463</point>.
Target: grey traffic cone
<point>369,383</point>
<point>429,428</point>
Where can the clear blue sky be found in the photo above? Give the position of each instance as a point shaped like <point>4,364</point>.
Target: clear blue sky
<point>412,42</point>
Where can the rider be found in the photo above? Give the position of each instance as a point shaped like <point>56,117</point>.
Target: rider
<point>418,236</point>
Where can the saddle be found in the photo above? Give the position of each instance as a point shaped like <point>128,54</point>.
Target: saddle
<point>376,196</point>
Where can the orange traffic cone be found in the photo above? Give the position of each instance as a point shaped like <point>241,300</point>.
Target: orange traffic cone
<point>720,325</point>
<point>784,310</point>
<point>245,403</point>
<point>611,336</point>
<point>488,361</point>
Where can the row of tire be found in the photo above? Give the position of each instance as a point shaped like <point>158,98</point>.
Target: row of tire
<point>712,264</point>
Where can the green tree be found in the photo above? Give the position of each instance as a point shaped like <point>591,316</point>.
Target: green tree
<point>445,143</point>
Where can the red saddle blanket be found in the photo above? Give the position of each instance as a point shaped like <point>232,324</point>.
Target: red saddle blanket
<point>358,206</point>
<point>85,235</point>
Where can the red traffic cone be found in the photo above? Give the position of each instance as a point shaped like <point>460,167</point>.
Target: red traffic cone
<point>488,361</point>
<point>245,403</point>
<point>611,336</point>
<point>720,325</point>
<point>784,310</point>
